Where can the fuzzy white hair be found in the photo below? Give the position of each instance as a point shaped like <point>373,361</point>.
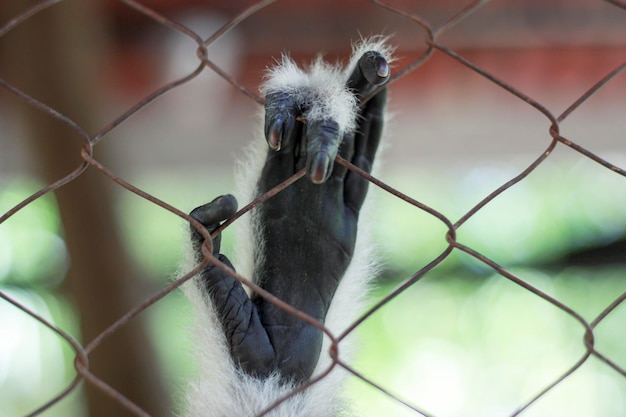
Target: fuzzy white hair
<point>221,389</point>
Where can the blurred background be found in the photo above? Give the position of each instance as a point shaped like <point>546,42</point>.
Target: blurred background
<point>463,340</point>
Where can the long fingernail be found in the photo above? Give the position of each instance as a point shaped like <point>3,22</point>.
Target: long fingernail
<point>382,68</point>
<point>320,168</point>
<point>274,134</point>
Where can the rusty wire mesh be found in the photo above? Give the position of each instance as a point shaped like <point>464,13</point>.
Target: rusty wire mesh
<point>432,44</point>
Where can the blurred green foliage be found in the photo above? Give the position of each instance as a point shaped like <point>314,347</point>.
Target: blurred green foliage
<point>462,338</point>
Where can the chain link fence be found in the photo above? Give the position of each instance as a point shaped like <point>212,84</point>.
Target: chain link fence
<point>432,43</point>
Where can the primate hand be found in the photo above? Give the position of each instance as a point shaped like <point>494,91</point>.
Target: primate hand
<point>307,232</point>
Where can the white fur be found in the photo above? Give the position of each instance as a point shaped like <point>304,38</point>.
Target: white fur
<point>221,390</point>
<point>321,91</point>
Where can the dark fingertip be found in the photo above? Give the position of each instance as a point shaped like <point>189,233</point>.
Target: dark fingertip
<point>319,167</point>
<point>221,208</point>
<point>280,119</point>
<point>371,72</point>
<point>279,128</point>
<point>228,204</point>
<point>374,68</point>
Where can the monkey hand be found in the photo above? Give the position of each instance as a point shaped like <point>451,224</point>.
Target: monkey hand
<point>307,232</point>
<point>309,229</point>
<point>247,339</point>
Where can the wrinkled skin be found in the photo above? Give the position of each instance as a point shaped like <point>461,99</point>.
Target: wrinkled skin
<point>309,230</point>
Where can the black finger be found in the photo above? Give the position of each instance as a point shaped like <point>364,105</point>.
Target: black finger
<point>366,142</point>
<point>210,215</point>
<point>247,339</point>
<point>281,111</point>
<point>355,188</point>
<point>369,131</point>
<point>323,137</point>
<point>323,140</point>
<point>371,71</point>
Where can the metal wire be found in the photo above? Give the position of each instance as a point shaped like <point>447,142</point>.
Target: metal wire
<point>432,44</point>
